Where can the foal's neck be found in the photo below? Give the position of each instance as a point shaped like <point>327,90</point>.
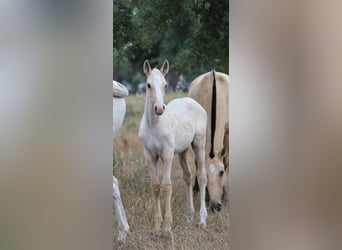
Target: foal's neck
<point>149,113</point>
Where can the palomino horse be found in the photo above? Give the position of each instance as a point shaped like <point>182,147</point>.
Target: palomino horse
<point>119,109</point>
<point>166,130</point>
<point>211,91</point>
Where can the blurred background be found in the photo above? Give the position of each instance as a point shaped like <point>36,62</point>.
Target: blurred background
<point>192,35</point>
<point>56,72</point>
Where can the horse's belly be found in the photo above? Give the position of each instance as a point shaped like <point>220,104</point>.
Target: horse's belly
<point>119,110</point>
<point>183,142</point>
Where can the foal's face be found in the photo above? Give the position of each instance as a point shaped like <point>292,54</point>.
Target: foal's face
<point>155,85</point>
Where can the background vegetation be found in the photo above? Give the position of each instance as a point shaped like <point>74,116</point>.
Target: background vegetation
<point>192,34</point>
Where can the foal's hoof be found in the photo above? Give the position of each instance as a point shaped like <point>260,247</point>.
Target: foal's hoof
<point>167,234</point>
<point>157,223</point>
<point>167,223</point>
<point>167,228</point>
<point>156,228</point>
<point>122,237</point>
<point>189,219</point>
<point>202,225</point>
<point>189,215</point>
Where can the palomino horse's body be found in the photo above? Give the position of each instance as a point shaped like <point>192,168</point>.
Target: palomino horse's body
<point>166,130</point>
<point>211,91</point>
<point>119,109</point>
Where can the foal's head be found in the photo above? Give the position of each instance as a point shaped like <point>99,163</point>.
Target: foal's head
<point>155,85</point>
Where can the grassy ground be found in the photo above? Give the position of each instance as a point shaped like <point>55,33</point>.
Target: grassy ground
<point>134,182</point>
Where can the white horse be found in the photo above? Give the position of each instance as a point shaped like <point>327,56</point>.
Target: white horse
<point>119,110</point>
<point>119,105</point>
<point>166,130</point>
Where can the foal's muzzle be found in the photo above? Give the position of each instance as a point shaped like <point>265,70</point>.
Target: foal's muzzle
<point>159,109</point>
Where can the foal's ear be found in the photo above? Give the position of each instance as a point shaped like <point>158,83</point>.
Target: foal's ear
<point>147,67</point>
<point>165,67</point>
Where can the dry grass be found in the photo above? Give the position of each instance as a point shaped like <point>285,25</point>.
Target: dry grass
<point>133,175</point>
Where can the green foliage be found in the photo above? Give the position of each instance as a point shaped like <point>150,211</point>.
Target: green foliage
<point>191,34</point>
<point>122,68</point>
<point>138,78</point>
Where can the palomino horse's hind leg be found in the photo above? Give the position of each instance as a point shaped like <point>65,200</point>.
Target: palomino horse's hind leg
<point>199,150</point>
<point>155,184</point>
<point>119,212</point>
<point>188,185</point>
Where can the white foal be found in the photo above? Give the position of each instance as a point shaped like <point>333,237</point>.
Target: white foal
<point>119,110</point>
<point>166,130</point>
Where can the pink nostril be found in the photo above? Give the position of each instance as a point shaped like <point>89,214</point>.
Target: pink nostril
<point>159,109</point>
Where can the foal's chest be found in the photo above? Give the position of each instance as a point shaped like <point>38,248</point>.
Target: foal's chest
<point>157,141</point>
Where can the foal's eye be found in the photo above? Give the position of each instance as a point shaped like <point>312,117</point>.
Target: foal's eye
<point>149,85</point>
<point>221,173</point>
<point>165,86</point>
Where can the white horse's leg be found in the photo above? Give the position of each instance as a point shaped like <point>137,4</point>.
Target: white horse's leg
<point>188,185</point>
<point>120,212</point>
<point>199,150</point>
<point>166,189</point>
<point>155,184</point>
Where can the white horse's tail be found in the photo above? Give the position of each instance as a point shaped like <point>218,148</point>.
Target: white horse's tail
<point>119,90</point>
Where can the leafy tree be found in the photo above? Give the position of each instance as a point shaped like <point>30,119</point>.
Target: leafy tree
<point>191,34</point>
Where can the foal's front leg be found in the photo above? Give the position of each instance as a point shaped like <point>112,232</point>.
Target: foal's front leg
<point>166,190</point>
<point>155,184</point>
